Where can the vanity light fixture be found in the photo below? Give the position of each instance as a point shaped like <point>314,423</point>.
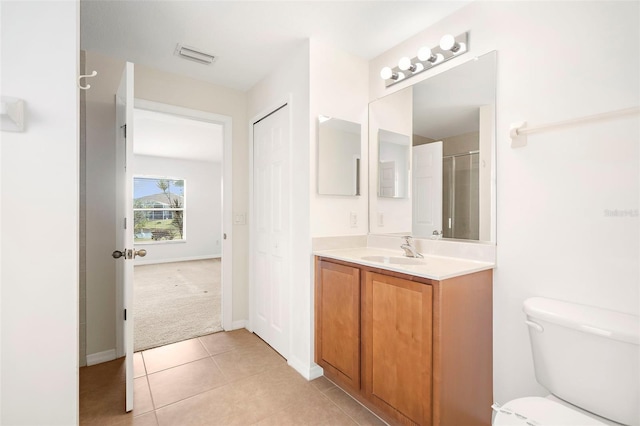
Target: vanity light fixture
<point>405,64</point>
<point>427,58</point>
<point>448,42</point>
<point>388,74</point>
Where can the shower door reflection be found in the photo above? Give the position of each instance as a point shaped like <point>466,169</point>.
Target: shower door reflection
<point>460,196</point>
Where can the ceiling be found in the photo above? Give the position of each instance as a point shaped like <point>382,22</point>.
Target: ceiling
<point>171,136</point>
<point>248,38</point>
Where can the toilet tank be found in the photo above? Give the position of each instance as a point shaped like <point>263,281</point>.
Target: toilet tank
<point>587,356</point>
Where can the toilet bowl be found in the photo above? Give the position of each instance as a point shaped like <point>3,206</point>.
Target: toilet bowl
<point>588,358</point>
<point>549,411</point>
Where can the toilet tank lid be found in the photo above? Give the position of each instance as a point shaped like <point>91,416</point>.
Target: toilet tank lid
<point>588,319</point>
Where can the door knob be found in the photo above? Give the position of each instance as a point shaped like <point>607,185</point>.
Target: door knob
<point>117,254</point>
<point>141,253</point>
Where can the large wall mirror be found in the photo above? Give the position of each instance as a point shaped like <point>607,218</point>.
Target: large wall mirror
<point>339,154</point>
<point>449,120</point>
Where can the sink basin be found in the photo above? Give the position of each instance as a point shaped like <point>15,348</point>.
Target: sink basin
<point>398,260</point>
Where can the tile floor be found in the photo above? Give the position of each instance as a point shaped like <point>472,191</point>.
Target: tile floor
<point>227,378</point>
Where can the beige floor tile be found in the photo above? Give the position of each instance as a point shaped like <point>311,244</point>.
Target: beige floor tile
<point>218,343</point>
<point>323,384</point>
<point>267,401</point>
<point>164,357</point>
<point>138,365</point>
<point>276,380</point>
<point>174,384</point>
<point>102,406</point>
<point>202,409</point>
<point>142,402</point>
<point>248,360</point>
<point>353,408</point>
<point>106,374</point>
<point>314,409</point>
<point>148,419</point>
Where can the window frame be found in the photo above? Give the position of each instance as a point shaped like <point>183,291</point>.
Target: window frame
<point>183,209</point>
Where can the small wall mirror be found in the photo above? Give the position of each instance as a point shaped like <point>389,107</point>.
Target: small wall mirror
<point>450,122</point>
<point>339,155</point>
<point>394,160</point>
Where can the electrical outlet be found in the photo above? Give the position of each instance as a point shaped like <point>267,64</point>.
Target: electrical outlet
<point>381,220</point>
<point>353,219</point>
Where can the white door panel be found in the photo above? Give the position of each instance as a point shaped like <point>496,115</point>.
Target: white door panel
<point>271,256</point>
<point>124,208</point>
<point>427,189</point>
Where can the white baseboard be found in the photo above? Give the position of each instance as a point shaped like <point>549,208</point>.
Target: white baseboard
<point>309,372</point>
<point>100,357</point>
<point>237,325</point>
<point>176,259</point>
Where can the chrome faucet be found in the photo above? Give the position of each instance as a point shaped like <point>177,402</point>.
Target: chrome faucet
<point>409,250</point>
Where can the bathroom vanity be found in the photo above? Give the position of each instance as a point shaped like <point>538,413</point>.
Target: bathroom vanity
<point>410,339</point>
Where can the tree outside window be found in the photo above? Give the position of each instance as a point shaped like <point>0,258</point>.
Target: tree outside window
<point>158,209</point>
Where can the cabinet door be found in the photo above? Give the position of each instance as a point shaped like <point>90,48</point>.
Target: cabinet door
<point>338,322</point>
<point>397,345</point>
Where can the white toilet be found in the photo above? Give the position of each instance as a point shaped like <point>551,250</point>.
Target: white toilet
<point>588,358</point>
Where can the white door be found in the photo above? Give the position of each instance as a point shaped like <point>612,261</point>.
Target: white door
<point>271,257</point>
<point>388,181</point>
<point>427,189</point>
<point>125,252</point>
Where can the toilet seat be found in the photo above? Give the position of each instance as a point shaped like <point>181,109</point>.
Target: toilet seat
<point>538,411</point>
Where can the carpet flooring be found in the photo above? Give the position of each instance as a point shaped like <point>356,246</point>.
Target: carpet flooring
<point>176,301</point>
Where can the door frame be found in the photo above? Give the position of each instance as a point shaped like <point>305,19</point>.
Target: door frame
<point>227,210</point>
<point>273,107</point>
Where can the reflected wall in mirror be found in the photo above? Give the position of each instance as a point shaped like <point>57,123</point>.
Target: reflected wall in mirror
<point>394,159</point>
<point>339,155</point>
<point>452,125</point>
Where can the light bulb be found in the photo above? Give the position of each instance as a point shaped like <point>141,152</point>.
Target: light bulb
<point>404,63</point>
<point>424,54</point>
<point>399,76</point>
<point>386,73</point>
<point>449,43</point>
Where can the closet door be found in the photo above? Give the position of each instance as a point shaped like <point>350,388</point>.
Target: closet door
<point>271,260</point>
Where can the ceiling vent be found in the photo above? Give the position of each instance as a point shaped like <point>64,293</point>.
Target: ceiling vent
<point>193,54</point>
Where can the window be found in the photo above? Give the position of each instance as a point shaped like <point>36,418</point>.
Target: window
<point>158,209</point>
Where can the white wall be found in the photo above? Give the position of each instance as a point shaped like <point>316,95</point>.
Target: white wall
<point>389,215</point>
<point>203,208</point>
<point>39,253</point>
<point>291,81</point>
<point>338,88</point>
<point>164,88</point>
<point>554,238</point>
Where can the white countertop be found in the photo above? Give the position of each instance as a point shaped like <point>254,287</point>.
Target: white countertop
<point>433,267</point>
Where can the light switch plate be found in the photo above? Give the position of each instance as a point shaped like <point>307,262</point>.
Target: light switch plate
<point>239,219</point>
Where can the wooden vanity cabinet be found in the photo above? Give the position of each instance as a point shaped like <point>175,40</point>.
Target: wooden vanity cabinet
<point>396,335</point>
<point>423,347</point>
<point>337,323</point>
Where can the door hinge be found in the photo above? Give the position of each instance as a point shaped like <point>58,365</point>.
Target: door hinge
<point>124,126</point>
<point>125,223</point>
<point>125,314</point>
